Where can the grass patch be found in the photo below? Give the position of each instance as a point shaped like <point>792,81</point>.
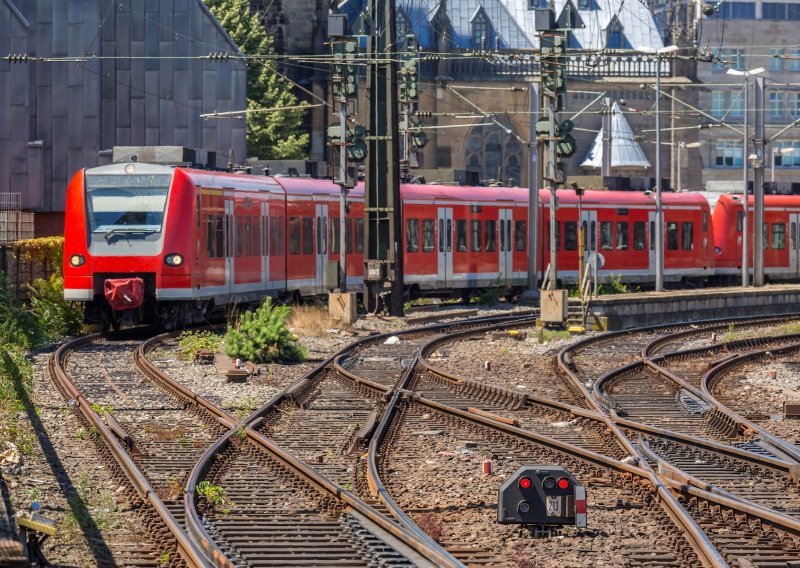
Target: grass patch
<point>244,407</point>
<point>549,335</point>
<point>311,320</point>
<point>190,342</point>
<point>89,507</point>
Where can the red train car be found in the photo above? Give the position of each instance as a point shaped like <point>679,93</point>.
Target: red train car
<point>781,232</point>
<point>153,243</point>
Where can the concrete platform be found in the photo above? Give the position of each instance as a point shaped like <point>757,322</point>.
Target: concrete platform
<point>622,311</point>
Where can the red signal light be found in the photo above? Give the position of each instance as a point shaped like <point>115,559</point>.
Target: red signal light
<point>525,483</point>
<point>563,483</point>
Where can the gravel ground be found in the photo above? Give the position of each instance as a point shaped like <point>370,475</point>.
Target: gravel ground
<point>525,366</point>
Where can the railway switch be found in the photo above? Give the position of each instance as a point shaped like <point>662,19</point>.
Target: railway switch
<point>543,495</point>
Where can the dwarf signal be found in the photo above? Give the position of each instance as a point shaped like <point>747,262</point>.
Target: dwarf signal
<point>542,495</point>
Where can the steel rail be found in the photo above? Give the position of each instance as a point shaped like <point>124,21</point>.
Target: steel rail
<point>187,548</point>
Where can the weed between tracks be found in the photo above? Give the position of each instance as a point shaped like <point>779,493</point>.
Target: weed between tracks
<point>430,525</point>
<point>87,507</point>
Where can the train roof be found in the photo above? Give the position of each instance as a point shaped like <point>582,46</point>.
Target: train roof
<point>769,199</point>
<point>625,198</point>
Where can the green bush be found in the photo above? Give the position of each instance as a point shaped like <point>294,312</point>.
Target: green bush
<point>56,316</point>
<point>190,342</point>
<point>17,325</point>
<point>262,336</point>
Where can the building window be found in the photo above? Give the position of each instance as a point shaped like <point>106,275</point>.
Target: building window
<point>775,106</point>
<point>775,61</point>
<point>480,31</point>
<point>719,104</point>
<point>735,11</point>
<point>728,154</point>
<point>615,38</point>
<point>773,11</point>
<point>731,57</point>
<point>490,150</point>
<point>533,4</point>
<point>794,63</point>
<point>584,4</point>
<point>793,11</point>
<point>787,159</point>
<point>737,104</point>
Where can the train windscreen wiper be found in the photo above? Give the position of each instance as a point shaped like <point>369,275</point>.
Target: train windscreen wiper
<point>127,231</point>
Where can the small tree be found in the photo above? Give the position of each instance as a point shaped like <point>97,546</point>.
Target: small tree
<point>270,135</point>
<point>262,336</point>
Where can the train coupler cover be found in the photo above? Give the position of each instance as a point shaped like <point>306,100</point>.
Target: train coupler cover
<point>124,293</point>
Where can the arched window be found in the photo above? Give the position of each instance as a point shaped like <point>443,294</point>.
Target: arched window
<point>494,154</point>
<point>480,31</point>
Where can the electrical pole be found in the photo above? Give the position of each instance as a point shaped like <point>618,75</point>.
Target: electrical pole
<point>534,183</point>
<point>383,257</point>
<point>607,119</point>
<point>758,185</point>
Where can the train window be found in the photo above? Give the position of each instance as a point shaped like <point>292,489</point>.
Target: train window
<point>475,232</point>
<point>622,211</point>
<point>256,235</point>
<point>441,235</point>
<point>348,232</point>
<point>219,237</point>
<point>793,235</point>
<point>274,225</point>
<point>593,235</point>
<point>778,236</point>
<point>622,235</point>
<point>765,232</point>
<point>606,235</point>
<point>334,235</point>
<point>475,208</point>
<point>705,221</point>
<point>520,235</point>
<point>324,235</point>
<point>508,234</point>
<point>547,236</point>
<point>210,236</point>
<point>449,236</point>
<point>428,229</point>
<point>739,221</point>
<point>412,235</point>
<point>461,235</point>
<point>359,237</point>
<point>491,236</point>
<point>238,222</point>
<point>248,236</point>
<point>265,236</point>
<point>308,235</point>
<point>652,235</point>
<point>639,236</point>
<point>197,212</point>
<point>687,239</point>
<point>294,235</point>
<point>503,235</point>
<point>570,235</point>
<point>672,235</point>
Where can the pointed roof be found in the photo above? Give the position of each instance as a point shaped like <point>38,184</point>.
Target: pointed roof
<point>625,150</point>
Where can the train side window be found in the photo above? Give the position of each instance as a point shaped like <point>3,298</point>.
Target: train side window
<point>622,235</point>
<point>672,235</point>
<point>520,235</point>
<point>359,235</point>
<point>308,235</point>
<point>265,240</point>
<point>475,235</point>
<point>428,239</point>
<point>461,235</point>
<point>412,235</point>
<point>585,234</point>
<point>652,235</point>
<point>570,235</point>
<point>638,235</point>
<point>508,234</point>
<point>197,212</point>
<point>793,235</point>
<point>324,235</point>
<point>705,221</point>
<point>441,235</point>
<point>449,236</point>
<point>766,236</point>
<point>606,235</point>
<point>593,235</point>
<point>687,239</point>
<point>503,235</point>
<point>778,236</point>
<point>491,236</point>
<point>739,221</point>
<point>248,236</point>
<point>256,235</point>
<point>319,234</point>
<point>334,235</point>
<point>294,235</point>
<point>348,231</point>
<point>210,236</point>
<point>274,225</point>
<point>219,237</point>
<point>238,223</point>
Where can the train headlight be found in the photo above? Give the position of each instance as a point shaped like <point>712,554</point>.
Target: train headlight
<point>173,259</point>
<point>77,260</point>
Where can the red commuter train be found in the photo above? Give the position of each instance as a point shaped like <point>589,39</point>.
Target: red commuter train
<point>151,243</point>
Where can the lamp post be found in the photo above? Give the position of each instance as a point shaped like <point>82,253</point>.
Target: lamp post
<point>776,151</point>
<point>681,146</point>
<point>746,222</point>
<point>659,240</point>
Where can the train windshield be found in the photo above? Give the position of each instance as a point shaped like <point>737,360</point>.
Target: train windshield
<point>129,205</point>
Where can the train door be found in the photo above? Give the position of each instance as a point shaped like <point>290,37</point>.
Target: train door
<point>506,248</point>
<point>651,223</point>
<point>794,245</point>
<point>445,262</point>
<point>229,245</point>
<point>589,225</point>
<point>322,246</point>
<point>264,246</point>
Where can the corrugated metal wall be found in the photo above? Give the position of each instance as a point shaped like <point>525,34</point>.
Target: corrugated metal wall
<point>153,95</point>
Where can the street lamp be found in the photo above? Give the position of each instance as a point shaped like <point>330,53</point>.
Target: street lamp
<point>681,146</point>
<point>745,223</point>
<point>659,53</point>
<point>776,151</point>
